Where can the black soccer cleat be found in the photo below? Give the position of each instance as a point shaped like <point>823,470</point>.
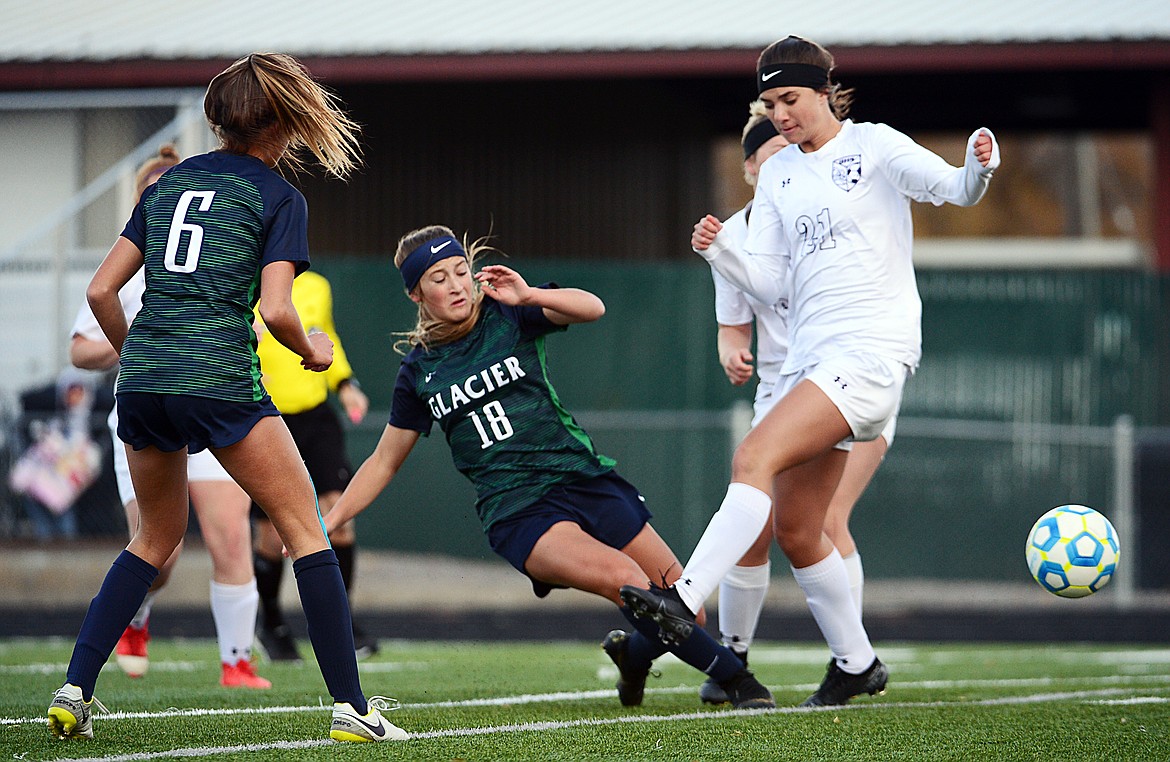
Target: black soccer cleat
<point>711,692</point>
<point>631,684</point>
<point>744,691</point>
<point>839,686</point>
<point>277,644</point>
<point>675,621</point>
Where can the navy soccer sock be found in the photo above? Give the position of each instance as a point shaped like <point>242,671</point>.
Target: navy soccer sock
<point>121,593</point>
<point>645,645</point>
<point>330,628</point>
<point>700,650</point>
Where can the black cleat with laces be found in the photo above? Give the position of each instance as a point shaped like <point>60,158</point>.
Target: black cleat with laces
<point>675,621</point>
<point>711,692</point>
<point>631,684</point>
<point>744,691</point>
<point>839,686</point>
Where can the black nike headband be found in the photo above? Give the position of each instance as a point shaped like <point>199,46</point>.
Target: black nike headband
<point>792,75</point>
<point>759,134</point>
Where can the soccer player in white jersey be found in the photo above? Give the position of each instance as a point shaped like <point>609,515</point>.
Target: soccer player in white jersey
<point>743,590</point>
<point>831,230</point>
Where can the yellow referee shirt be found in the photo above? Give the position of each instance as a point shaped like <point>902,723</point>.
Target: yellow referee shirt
<point>294,389</point>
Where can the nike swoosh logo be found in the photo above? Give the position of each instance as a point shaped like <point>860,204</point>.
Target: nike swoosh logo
<point>378,730</point>
<point>769,75</point>
<point>440,247</point>
<point>427,380</point>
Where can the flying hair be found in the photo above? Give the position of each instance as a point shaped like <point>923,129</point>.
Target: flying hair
<point>269,100</point>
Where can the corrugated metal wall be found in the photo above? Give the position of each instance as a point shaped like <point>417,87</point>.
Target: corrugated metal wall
<point>572,171</point>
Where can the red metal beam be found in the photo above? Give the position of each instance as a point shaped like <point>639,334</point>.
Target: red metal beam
<point>50,75</point>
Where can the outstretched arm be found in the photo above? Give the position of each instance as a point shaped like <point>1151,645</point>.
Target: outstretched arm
<point>924,176</point>
<point>562,306</point>
<point>763,277</point>
<point>373,476</point>
<point>284,323</point>
<point>119,266</point>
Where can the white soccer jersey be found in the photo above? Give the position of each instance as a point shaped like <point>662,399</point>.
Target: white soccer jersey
<point>734,306</point>
<point>202,466</point>
<point>839,219</point>
<point>86,325</point>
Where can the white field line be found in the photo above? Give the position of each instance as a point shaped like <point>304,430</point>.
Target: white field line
<point>59,668</point>
<point>1124,682</point>
<point>210,751</point>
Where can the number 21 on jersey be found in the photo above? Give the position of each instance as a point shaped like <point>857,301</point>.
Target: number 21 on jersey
<point>816,234</point>
<point>179,225</point>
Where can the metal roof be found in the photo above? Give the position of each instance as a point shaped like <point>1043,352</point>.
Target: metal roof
<point>111,30</point>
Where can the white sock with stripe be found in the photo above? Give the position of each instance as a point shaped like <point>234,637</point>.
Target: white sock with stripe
<point>856,577</point>
<point>233,607</point>
<point>729,534</point>
<point>741,599</point>
<point>826,588</point>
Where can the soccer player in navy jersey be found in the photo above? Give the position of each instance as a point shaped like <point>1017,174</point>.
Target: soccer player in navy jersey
<point>219,503</point>
<point>549,502</point>
<point>215,233</point>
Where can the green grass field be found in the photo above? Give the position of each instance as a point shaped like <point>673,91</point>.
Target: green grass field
<point>509,701</point>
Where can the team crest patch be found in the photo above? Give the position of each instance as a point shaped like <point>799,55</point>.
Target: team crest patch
<point>847,172</point>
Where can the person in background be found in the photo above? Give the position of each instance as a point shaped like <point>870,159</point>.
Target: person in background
<point>220,504</point>
<point>302,399</point>
<point>831,230</point>
<point>549,502</point>
<point>743,590</point>
<point>215,233</point>
<point>60,459</point>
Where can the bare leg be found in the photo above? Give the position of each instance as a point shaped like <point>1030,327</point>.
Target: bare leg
<point>268,466</point>
<point>222,508</point>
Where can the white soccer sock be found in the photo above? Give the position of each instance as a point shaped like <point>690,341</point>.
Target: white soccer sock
<point>143,614</point>
<point>826,588</point>
<point>741,598</point>
<point>729,534</point>
<point>233,607</point>
<point>856,577</point>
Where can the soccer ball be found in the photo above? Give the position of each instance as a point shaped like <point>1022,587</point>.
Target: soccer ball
<point>1072,551</point>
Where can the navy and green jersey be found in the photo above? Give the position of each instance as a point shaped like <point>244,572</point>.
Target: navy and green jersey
<point>206,229</point>
<point>490,394</point>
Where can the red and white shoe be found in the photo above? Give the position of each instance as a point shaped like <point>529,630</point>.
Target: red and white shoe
<point>241,675</point>
<point>131,651</point>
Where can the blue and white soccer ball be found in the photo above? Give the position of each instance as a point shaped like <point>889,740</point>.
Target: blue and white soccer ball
<point>1072,551</point>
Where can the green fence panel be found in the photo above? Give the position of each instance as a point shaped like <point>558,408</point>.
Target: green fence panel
<point>1074,348</point>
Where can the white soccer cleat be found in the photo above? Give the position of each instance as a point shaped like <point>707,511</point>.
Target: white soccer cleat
<point>71,716</point>
<point>352,727</point>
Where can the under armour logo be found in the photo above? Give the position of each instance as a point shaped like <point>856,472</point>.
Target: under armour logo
<point>839,382</point>
<point>785,181</point>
